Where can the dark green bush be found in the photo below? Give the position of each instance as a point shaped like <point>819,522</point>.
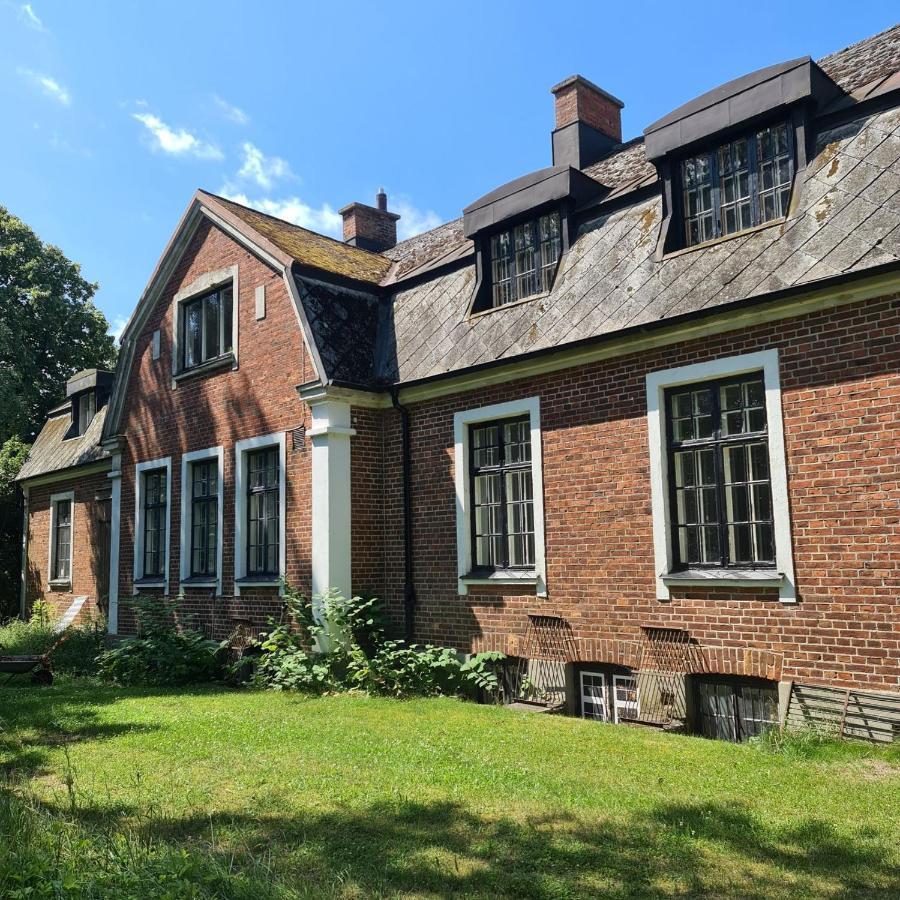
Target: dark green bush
<point>334,644</point>
<point>165,652</point>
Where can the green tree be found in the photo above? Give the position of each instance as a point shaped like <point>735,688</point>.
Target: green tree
<point>49,329</point>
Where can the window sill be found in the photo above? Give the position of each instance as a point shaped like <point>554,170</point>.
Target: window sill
<point>150,583</point>
<point>258,581</point>
<point>680,251</point>
<point>58,583</point>
<point>724,578</point>
<point>502,576</point>
<point>198,581</point>
<point>211,365</point>
<point>477,313</point>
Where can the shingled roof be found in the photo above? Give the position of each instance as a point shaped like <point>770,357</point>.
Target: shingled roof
<point>52,451</point>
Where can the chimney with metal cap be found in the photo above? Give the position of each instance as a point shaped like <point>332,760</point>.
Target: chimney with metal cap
<point>588,122</point>
<point>370,227</point>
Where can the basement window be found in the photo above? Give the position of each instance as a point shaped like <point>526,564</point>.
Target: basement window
<point>206,327</point>
<point>734,709</point>
<point>609,696</point>
<point>737,185</point>
<point>523,259</point>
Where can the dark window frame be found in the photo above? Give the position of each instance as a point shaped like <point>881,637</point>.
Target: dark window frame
<point>156,512</point>
<point>502,468</point>
<point>741,691</point>
<point>717,442</point>
<point>207,506</point>
<point>711,151</point>
<point>60,573</point>
<point>224,326</point>
<point>532,221</point>
<point>271,522</point>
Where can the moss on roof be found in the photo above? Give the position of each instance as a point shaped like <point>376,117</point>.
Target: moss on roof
<point>311,249</point>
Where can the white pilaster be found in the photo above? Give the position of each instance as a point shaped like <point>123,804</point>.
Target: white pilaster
<point>330,434</point>
<point>115,475</point>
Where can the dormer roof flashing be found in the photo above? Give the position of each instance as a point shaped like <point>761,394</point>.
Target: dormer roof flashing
<point>529,192</point>
<point>738,101</point>
<point>88,379</point>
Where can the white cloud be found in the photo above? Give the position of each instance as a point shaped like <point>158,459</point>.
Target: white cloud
<point>117,326</point>
<point>229,111</point>
<point>262,169</point>
<point>413,221</point>
<point>50,86</point>
<point>323,219</point>
<point>176,142</point>
<point>30,17</point>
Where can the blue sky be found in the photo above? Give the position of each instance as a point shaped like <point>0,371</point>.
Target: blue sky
<point>114,112</point>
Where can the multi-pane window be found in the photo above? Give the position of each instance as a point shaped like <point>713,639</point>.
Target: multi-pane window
<point>263,499</point>
<point>593,696</point>
<point>155,500</point>
<point>524,259</point>
<point>502,494</point>
<point>737,185</point>
<point>204,517</point>
<point>62,541</point>
<point>719,480</point>
<point>206,327</point>
<point>87,409</point>
<point>735,709</point>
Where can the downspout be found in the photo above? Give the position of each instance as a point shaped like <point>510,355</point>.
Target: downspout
<point>409,591</point>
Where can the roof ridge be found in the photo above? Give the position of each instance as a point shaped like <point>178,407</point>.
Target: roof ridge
<point>280,221</point>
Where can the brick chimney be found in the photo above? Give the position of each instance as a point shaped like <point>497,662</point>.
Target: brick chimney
<point>588,122</point>
<point>370,227</point>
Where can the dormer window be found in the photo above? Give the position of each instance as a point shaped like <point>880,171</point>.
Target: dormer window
<point>87,409</point>
<point>737,185</point>
<point>206,327</point>
<point>524,259</point>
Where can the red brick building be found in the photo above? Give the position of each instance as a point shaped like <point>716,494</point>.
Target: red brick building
<point>646,399</point>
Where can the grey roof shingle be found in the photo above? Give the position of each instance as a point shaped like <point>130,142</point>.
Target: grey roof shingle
<point>848,219</point>
<point>52,452</point>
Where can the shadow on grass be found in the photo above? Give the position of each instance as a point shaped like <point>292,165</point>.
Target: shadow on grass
<point>445,849</point>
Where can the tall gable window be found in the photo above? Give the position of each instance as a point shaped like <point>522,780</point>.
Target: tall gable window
<point>206,327</point>
<point>155,523</point>
<point>263,506</point>
<point>737,185</point>
<point>204,517</point>
<point>61,511</point>
<point>524,259</point>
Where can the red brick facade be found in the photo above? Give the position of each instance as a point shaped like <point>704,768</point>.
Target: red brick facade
<point>89,543</point>
<point>840,378</point>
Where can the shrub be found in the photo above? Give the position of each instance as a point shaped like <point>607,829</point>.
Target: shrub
<point>333,644</point>
<point>164,652</point>
<point>72,652</point>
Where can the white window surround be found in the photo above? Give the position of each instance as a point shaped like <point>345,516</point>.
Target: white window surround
<point>203,285</point>
<point>461,422</point>
<point>187,460</point>
<point>139,470</point>
<point>657,382</point>
<point>241,449</point>
<point>55,500</point>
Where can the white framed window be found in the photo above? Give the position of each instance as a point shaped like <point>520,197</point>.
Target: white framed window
<point>593,696</point>
<point>500,495</point>
<point>62,530</point>
<point>259,510</point>
<point>625,698</point>
<point>718,475</point>
<point>202,512</point>
<point>205,321</point>
<point>152,522</point>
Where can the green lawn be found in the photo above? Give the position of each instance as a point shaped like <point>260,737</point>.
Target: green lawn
<point>214,792</point>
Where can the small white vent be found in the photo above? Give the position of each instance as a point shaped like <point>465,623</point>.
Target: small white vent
<point>260,302</point>
<point>154,344</point>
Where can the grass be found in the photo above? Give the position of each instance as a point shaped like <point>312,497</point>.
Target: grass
<point>219,793</point>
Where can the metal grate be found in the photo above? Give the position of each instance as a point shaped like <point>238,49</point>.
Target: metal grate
<point>298,438</point>
<point>549,645</point>
<point>667,656</point>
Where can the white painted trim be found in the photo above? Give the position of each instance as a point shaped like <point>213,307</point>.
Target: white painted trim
<point>112,624</point>
<point>461,422</point>
<point>241,448</point>
<point>184,546</point>
<point>205,283</point>
<point>55,500</point>
<point>657,382</point>
<point>605,694</point>
<point>139,470</point>
<point>330,434</point>
<point>260,298</point>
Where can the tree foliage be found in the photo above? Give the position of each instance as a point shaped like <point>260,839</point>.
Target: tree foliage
<point>49,327</point>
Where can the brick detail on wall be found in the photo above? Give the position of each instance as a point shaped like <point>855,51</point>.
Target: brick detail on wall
<point>840,378</point>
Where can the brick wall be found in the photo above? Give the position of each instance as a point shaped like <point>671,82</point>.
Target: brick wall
<point>220,408</point>
<point>580,102</point>
<point>841,401</point>
<point>89,492</point>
